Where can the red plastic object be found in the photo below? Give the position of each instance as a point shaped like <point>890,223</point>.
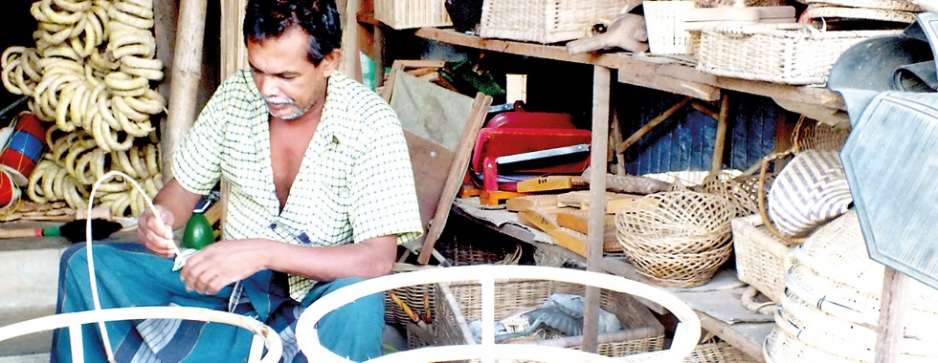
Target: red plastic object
<point>510,141</point>
<point>531,120</point>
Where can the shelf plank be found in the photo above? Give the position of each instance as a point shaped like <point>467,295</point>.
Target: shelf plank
<point>668,77</point>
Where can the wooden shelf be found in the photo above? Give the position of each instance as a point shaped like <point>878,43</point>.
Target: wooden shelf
<point>653,72</point>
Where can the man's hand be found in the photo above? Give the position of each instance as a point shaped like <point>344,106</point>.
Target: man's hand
<point>223,263</point>
<point>155,236</point>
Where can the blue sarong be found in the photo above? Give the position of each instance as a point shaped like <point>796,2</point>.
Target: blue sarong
<point>128,275</point>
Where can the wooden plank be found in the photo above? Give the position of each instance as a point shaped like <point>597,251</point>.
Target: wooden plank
<point>428,179</point>
<point>594,259</point>
<point>641,77</point>
<point>892,311</point>
<point>628,63</point>
<point>549,183</point>
<point>457,171</point>
<point>747,343</point>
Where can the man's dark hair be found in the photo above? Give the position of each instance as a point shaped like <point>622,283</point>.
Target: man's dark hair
<point>319,18</point>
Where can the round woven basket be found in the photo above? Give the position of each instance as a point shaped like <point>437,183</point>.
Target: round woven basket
<point>782,348</point>
<point>678,239</point>
<point>740,192</point>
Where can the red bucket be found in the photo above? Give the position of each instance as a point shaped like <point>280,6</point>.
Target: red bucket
<point>24,148</point>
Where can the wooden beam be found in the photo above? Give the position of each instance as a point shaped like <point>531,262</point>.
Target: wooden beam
<point>594,258</point>
<point>630,63</point>
<point>165,12</point>
<point>892,311</point>
<point>186,74</point>
<point>641,76</point>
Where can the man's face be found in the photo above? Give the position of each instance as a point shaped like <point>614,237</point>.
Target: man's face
<point>290,84</point>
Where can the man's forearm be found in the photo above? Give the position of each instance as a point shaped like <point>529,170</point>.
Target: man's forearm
<point>371,258</point>
<point>178,200</point>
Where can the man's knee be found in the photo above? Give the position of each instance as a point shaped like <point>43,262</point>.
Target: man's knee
<point>369,301</point>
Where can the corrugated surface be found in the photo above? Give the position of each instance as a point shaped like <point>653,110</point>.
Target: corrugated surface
<point>685,141</point>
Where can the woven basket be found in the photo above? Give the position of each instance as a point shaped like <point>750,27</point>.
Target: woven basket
<point>460,254</point>
<point>897,5</point>
<point>798,54</point>
<point>665,35</point>
<point>739,192</point>
<point>679,243</point>
<point>720,352</point>
<point>782,348</point>
<point>641,330</point>
<point>749,3</point>
<point>822,331</point>
<point>544,21</point>
<point>831,12</point>
<point>762,260</point>
<point>406,14</point>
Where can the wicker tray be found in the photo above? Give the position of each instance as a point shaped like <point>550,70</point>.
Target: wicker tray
<point>797,54</point>
<point>897,5</point>
<point>641,330</point>
<point>544,21</point>
<point>406,14</point>
<point>844,13</point>
<point>762,260</point>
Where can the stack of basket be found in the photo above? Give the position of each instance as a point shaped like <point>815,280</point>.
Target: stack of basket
<point>830,308</point>
<point>677,239</point>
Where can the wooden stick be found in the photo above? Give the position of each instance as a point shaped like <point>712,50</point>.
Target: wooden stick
<point>234,56</point>
<point>615,139</point>
<point>187,72</point>
<point>457,172</point>
<point>602,77</point>
<point>637,135</point>
<point>718,146</point>
<point>705,109</point>
<point>892,313</point>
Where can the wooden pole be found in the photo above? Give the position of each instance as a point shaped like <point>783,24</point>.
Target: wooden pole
<point>594,250</point>
<point>722,124</point>
<point>234,56</point>
<point>186,73</point>
<point>380,55</point>
<point>351,62</point>
<point>456,172</point>
<point>892,311</point>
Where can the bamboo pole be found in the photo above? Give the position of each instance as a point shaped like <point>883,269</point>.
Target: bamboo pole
<point>594,250</point>
<point>186,73</point>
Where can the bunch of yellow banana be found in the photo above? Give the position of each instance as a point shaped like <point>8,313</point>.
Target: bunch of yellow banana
<point>74,163</point>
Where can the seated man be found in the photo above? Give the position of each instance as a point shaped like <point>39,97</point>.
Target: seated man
<point>322,192</point>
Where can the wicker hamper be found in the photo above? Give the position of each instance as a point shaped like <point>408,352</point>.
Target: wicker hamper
<point>544,21</point>
<point>762,260</point>
<point>459,254</point>
<point>797,54</point>
<point>461,304</point>
<point>406,14</point>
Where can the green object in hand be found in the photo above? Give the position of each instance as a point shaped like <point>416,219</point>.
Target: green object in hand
<point>198,233</point>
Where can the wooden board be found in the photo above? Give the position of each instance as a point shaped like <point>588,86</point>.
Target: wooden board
<point>428,158</point>
<point>643,71</point>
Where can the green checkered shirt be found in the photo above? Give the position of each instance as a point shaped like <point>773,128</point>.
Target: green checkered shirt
<point>355,182</point>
